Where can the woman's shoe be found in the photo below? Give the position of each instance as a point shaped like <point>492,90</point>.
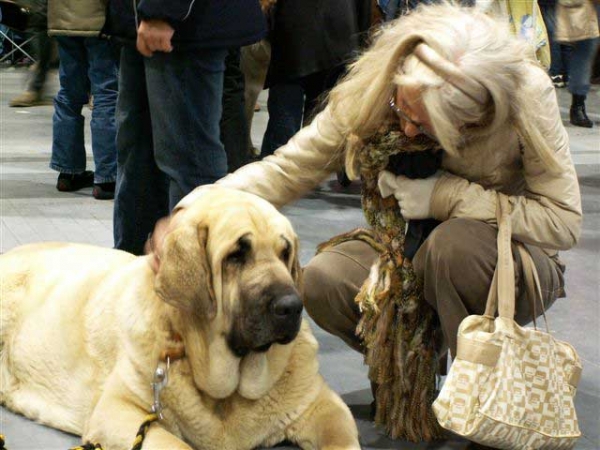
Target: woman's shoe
<point>578,117</point>
<point>69,182</point>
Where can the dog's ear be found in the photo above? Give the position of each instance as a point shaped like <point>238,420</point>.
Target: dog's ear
<point>183,278</point>
<point>296,270</point>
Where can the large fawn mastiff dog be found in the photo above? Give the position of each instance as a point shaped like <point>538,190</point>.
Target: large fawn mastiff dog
<point>84,329</point>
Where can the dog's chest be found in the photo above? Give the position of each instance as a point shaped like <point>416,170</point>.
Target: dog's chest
<point>235,423</point>
<point>231,424</point>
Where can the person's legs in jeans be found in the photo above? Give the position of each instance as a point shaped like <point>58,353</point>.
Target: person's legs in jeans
<point>142,192</point>
<point>68,148</point>
<point>103,76</point>
<point>285,106</point>
<point>557,68</point>
<point>582,59</point>
<point>185,92</point>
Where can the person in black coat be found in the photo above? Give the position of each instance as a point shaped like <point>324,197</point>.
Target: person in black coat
<point>171,87</point>
<point>311,42</point>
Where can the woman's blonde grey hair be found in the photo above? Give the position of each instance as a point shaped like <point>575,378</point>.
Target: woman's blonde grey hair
<point>482,47</point>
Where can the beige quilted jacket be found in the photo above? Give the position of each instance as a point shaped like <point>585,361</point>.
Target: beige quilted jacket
<point>576,23</point>
<point>546,208</point>
<point>76,17</point>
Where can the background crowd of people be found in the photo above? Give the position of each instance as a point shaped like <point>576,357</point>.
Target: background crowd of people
<point>297,50</point>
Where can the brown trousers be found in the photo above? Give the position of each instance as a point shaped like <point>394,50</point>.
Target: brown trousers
<point>456,262</point>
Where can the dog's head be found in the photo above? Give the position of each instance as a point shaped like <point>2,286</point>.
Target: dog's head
<point>232,258</point>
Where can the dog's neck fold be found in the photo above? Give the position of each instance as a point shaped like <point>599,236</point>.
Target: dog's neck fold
<point>219,373</point>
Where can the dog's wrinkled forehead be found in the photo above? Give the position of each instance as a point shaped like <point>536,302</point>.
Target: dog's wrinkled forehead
<point>230,214</point>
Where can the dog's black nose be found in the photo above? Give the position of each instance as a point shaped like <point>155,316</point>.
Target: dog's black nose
<point>287,307</point>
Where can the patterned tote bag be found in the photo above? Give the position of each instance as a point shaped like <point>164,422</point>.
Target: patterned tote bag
<point>510,387</point>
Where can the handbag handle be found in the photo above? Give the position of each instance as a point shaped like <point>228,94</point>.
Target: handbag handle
<point>502,290</point>
<point>532,280</point>
<point>503,282</point>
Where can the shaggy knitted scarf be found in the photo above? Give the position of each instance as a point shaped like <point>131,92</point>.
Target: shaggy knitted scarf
<point>397,326</point>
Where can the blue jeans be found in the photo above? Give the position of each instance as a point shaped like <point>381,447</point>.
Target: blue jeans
<point>580,69</point>
<point>168,141</point>
<point>87,66</point>
<point>560,54</point>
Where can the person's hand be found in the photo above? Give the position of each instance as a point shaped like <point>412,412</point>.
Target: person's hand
<point>154,36</point>
<point>413,195</point>
<point>153,245</point>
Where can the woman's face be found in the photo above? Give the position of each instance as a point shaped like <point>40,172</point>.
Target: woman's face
<point>413,117</point>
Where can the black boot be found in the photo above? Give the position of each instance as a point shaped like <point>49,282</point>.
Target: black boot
<point>578,116</point>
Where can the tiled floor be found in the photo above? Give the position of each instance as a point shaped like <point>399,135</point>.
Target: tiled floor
<point>32,210</point>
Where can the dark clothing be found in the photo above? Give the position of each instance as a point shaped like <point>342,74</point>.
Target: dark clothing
<point>392,9</point>
<point>311,36</point>
<point>197,24</point>
<point>37,23</point>
<point>43,53</point>
<point>311,42</point>
<point>293,104</point>
<point>168,115</point>
<point>234,127</point>
<point>170,106</point>
<point>285,106</point>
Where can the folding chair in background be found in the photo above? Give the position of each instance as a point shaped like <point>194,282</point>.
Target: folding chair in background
<point>16,18</point>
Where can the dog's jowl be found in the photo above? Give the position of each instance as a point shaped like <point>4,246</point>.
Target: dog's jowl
<point>83,330</point>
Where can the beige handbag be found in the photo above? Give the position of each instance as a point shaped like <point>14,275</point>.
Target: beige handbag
<point>510,387</point>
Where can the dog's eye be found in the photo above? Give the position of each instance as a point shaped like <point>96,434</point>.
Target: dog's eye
<point>240,254</point>
<point>285,254</point>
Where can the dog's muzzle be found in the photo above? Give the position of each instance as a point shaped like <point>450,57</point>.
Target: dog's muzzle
<point>276,322</point>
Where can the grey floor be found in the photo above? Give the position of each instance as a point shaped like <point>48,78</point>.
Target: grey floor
<point>32,210</point>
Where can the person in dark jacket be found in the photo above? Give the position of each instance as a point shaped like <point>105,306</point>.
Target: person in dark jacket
<point>311,42</point>
<point>169,107</point>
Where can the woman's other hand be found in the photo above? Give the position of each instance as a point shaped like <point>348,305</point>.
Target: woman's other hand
<point>413,195</point>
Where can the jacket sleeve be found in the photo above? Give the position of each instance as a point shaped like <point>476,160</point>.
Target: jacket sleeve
<point>171,11</point>
<point>548,214</point>
<point>294,169</point>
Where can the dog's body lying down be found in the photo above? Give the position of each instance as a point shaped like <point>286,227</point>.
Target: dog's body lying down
<point>84,328</point>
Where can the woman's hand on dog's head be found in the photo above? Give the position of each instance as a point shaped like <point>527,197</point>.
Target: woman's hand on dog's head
<point>155,240</point>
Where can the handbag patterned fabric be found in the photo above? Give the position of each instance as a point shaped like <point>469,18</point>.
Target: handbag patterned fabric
<point>510,387</point>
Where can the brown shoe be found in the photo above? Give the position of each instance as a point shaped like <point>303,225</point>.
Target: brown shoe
<point>26,99</point>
